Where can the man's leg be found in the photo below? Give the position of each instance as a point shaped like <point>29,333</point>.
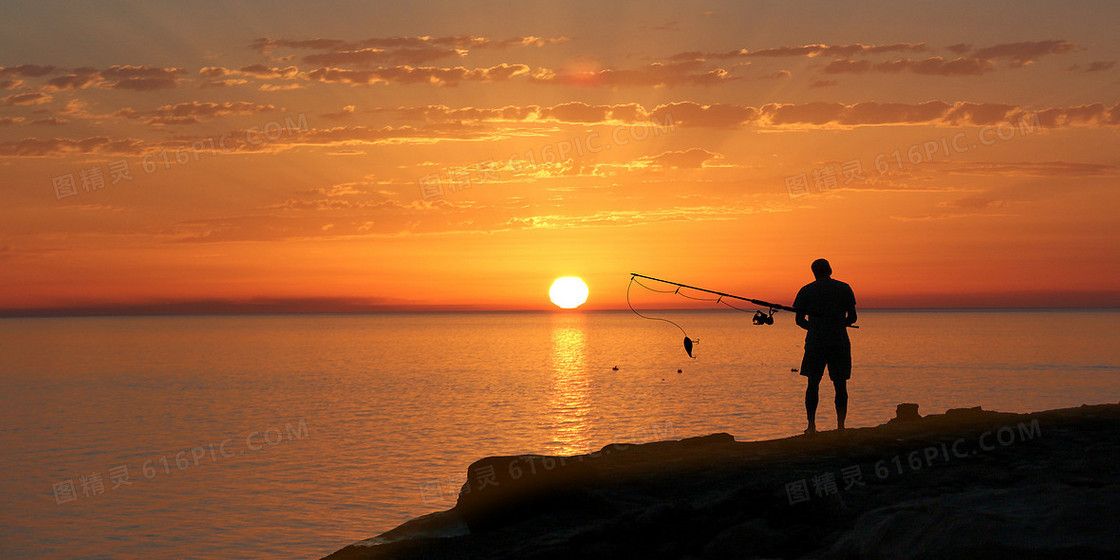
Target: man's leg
<point>841,402</point>
<point>811,392</point>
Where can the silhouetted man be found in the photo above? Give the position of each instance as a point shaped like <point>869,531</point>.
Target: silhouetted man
<point>825,308</point>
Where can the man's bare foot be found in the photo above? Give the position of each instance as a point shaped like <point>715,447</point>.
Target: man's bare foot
<point>810,430</point>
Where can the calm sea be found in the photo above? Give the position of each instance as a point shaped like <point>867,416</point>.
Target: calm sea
<point>293,436</point>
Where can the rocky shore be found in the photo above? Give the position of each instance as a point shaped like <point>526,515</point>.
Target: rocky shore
<point>968,483</point>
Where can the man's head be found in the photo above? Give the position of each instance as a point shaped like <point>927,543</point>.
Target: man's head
<point>821,269</point>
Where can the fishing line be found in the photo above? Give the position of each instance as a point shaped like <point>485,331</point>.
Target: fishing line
<point>688,342</point>
<point>760,317</point>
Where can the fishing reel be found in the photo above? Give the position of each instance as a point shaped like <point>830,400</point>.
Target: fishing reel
<point>761,318</point>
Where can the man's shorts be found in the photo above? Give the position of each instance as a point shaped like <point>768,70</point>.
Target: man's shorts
<point>837,357</point>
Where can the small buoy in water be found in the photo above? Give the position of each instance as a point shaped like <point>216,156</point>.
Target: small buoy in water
<point>679,371</point>
<point>794,370</point>
<point>615,368</point>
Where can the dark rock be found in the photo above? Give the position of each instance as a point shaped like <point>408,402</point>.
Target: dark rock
<point>906,412</point>
<point>1046,521</point>
<point>753,539</point>
<point>969,483</point>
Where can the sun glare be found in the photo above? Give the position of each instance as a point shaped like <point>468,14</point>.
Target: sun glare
<point>568,292</point>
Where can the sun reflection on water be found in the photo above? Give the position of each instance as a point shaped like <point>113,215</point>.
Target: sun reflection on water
<point>569,400</point>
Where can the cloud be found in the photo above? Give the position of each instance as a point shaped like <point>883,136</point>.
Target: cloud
<point>696,115</point>
<point>11,84</point>
<point>141,78</point>
<point>262,71</point>
<point>694,158</point>
<point>78,79</point>
<point>280,87</point>
<point>190,112</point>
<point>716,115</point>
<point>443,113</point>
<point>27,71</point>
<point>56,147</point>
<point>223,82</point>
<point>931,112</point>
<point>373,56</point>
<point>219,76</point>
<point>369,135</point>
<point>525,41</point>
<point>931,66</point>
<point>938,66</point>
<point>576,112</point>
<point>50,121</point>
<point>981,60</point>
<point>1033,169</point>
<point>657,74</point>
<point>26,99</point>
<point>873,113</point>
<point>974,203</point>
<point>688,113</point>
<point>333,218</point>
<point>209,109</point>
<point>135,78</point>
<point>214,71</point>
<point>345,113</point>
<point>1025,52</point>
<point>35,98</point>
<point>838,51</point>
<point>979,113</point>
<point>1092,114</point>
<point>847,67</point>
<point>780,74</point>
<point>1096,66</point>
<point>77,108</point>
<point>8,121</point>
<point>411,75</point>
<point>265,45</point>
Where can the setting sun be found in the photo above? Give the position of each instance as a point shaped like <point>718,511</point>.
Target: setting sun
<point>568,292</point>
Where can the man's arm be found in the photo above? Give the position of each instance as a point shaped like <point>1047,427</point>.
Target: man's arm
<point>802,320</point>
<point>850,314</point>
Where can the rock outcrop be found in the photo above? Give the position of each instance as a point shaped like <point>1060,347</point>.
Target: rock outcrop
<point>965,484</point>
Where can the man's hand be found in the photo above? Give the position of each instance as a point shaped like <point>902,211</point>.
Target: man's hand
<point>850,316</point>
<point>802,320</point>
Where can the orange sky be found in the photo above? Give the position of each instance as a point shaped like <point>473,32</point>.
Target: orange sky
<point>234,156</point>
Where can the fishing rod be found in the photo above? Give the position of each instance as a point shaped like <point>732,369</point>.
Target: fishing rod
<point>758,302</point>
<point>759,318</point>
